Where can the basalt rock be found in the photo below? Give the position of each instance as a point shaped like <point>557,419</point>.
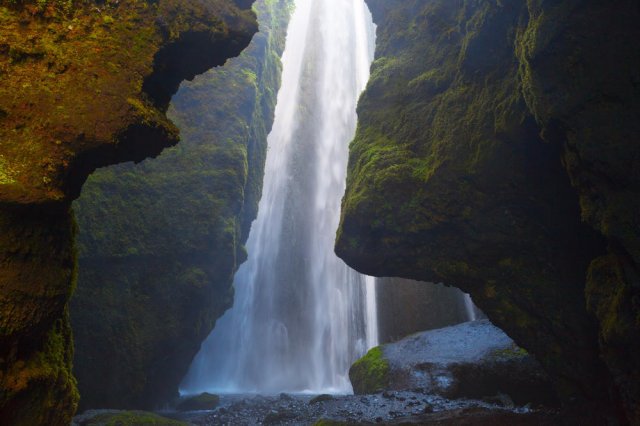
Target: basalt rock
<point>495,153</point>
<point>82,85</point>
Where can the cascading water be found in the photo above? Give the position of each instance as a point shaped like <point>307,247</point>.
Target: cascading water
<point>470,308</point>
<point>301,316</point>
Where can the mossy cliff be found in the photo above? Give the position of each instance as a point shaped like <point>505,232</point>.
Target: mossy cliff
<point>159,242</point>
<point>82,85</point>
<point>495,153</point>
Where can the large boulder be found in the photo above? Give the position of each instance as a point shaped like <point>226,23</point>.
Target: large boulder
<point>469,360</point>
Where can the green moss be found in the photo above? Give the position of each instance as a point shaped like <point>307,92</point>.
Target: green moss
<point>5,173</point>
<point>132,418</point>
<point>369,374</point>
<point>509,353</point>
<point>71,67</point>
<point>328,422</point>
<point>36,384</point>
<point>204,401</point>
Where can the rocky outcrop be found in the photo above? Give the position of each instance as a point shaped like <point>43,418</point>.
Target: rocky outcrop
<point>82,85</point>
<point>471,360</point>
<point>494,153</point>
<point>159,242</point>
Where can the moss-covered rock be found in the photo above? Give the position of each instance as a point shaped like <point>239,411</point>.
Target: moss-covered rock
<point>62,71</point>
<point>489,129</point>
<point>159,242</point>
<point>321,398</point>
<point>82,85</point>
<point>369,374</point>
<point>469,360</point>
<point>329,422</point>
<point>204,401</point>
<point>124,418</point>
<point>36,278</point>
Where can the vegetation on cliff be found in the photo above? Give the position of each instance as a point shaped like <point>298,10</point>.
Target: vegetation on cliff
<point>54,67</point>
<point>82,85</point>
<point>159,242</point>
<point>475,112</point>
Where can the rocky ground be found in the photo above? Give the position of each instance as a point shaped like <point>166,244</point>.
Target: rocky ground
<point>381,408</point>
<point>408,407</point>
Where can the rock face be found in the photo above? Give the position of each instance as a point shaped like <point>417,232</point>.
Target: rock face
<point>470,360</point>
<point>406,307</point>
<point>82,85</point>
<point>494,153</point>
<point>159,242</point>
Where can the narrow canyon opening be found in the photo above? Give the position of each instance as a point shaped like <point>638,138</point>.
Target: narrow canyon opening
<point>232,300</point>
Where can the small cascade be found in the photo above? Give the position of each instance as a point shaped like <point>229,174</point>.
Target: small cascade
<point>301,316</point>
<point>470,308</point>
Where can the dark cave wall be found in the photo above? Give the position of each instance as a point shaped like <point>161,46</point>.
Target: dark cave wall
<point>159,242</point>
<point>494,153</point>
<point>71,100</point>
<point>406,307</point>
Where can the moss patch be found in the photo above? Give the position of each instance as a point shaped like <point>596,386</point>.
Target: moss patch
<point>513,352</point>
<point>369,373</point>
<point>204,401</point>
<point>74,80</point>
<point>131,418</point>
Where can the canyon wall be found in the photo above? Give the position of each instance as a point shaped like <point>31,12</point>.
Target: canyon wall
<point>82,85</point>
<point>495,152</point>
<point>159,242</point>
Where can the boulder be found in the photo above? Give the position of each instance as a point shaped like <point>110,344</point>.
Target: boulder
<point>204,401</point>
<point>469,360</point>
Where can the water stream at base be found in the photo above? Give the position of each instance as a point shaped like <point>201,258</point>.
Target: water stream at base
<point>301,316</point>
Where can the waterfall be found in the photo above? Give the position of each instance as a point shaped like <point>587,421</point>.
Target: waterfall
<point>473,312</point>
<point>470,308</point>
<point>301,316</point>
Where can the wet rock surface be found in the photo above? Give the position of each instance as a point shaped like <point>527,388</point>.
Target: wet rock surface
<point>389,407</point>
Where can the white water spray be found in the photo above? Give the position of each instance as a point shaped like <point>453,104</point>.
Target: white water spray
<point>301,316</point>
